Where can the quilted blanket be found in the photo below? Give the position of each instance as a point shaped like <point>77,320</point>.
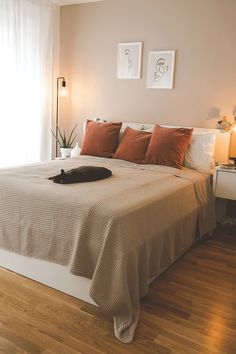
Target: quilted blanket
<point>113,231</point>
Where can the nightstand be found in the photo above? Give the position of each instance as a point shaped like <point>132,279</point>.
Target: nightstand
<point>224,186</point>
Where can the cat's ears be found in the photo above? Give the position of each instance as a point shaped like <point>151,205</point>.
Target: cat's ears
<point>62,174</point>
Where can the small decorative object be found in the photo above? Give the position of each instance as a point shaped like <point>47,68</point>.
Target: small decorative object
<point>161,69</point>
<point>226,125</point>
<point>64,143</point>
<point>75,151</point>
<point>129,60</point>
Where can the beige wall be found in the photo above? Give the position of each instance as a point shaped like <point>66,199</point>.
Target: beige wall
<point>203,32</point>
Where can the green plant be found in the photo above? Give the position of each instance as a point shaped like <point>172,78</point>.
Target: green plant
<point>62,140</point>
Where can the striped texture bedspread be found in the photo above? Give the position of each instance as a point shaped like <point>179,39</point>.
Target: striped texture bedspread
<point>110,231</point>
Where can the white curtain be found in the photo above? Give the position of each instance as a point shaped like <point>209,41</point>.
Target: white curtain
<point>26,80</point>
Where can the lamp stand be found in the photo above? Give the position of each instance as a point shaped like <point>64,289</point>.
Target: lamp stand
<point>57,110</point>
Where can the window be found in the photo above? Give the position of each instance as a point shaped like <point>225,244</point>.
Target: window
<point>26,70</point>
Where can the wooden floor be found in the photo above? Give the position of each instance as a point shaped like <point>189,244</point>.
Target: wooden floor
<point>191,308</point>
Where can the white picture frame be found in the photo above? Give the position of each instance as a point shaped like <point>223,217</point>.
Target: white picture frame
<point>161,65</point>
<point>129,60</point>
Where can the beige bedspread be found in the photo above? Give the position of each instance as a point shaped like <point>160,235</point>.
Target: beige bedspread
<point>112,231</point>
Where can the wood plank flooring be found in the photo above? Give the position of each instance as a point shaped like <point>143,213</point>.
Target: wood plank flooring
<point>190,309</point>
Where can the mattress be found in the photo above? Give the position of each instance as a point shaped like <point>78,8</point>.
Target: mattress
<point>110,231</point>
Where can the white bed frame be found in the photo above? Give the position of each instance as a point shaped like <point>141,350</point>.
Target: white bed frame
<point>57,276</point>
<point>51,274</point>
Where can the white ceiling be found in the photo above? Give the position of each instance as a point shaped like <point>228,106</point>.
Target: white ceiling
<point>71,2</point>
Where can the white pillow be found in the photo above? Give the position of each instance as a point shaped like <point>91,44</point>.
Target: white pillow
<point>75,151</point>
<point>201,152</point>
<point>135,126</point>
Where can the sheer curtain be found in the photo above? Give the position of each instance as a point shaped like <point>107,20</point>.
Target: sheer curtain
<point>26,80</point>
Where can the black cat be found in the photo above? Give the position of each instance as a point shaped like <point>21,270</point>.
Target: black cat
<point>81,174</point>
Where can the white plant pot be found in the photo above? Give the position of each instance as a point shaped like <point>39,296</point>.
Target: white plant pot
<point>65,152</point>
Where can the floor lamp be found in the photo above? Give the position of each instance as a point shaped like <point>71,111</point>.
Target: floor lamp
<point>61,91</point>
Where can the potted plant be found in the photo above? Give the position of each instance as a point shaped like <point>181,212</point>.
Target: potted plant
<point>64,143</point>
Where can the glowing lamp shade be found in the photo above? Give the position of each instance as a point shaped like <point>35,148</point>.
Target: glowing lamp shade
<point>234,128</point>
<point>62,89</point>
<point>232,147</point>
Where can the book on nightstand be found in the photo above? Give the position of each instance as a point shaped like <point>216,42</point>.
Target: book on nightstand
<point>227,166</point>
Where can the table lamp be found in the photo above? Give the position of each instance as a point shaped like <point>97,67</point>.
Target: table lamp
<point>227,126</point>
<point>232,146</point>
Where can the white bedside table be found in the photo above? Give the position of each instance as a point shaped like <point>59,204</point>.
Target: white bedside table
<point>224,186</point>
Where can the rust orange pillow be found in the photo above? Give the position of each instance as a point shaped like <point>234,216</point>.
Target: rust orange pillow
<point>133,146</point>
<point>100,139</point>
<point>168,146</point>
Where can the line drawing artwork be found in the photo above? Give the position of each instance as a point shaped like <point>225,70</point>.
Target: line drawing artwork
<point>161,69</point>
<point>129,60</point>
<point>161,66</point>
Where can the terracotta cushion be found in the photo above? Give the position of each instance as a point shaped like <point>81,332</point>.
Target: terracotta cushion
<point>100,139</point>
<point>133,146</point>
<point>168,146</point>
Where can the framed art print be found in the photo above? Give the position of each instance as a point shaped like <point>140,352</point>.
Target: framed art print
<point>129,60</point>
<point>161,69</point>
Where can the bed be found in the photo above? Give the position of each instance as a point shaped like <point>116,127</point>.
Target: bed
<point>102,242</point>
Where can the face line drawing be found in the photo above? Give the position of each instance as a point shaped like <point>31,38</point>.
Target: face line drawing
<point>161,69</point>
<point>130,61</point>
